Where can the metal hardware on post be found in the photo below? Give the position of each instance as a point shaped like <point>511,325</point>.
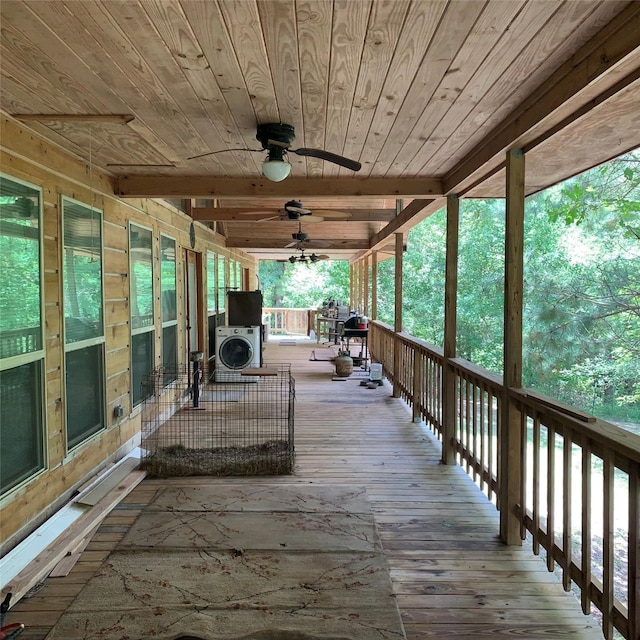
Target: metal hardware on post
<point>196,357</point>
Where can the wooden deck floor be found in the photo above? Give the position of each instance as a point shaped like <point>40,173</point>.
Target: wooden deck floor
<point>451,575</point>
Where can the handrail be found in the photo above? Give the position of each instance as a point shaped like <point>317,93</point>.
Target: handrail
<point>287,320</point>
<point>563,449</point>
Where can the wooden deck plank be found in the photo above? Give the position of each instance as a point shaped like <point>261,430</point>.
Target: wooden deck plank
<point>451,575</point>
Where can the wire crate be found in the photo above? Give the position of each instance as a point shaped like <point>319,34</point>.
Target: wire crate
<point>217,429</point>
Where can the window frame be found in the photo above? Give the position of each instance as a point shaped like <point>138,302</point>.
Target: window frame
<point>89,342</point>
<point>140,330</point>
<point>16,361</point>
<point>165,324</point>
<point>222,290</point>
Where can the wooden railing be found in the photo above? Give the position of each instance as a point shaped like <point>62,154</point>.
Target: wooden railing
<point>288,321</point>
<point>580,489</point>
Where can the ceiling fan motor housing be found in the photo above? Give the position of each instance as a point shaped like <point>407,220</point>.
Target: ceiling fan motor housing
<point>275,134</point>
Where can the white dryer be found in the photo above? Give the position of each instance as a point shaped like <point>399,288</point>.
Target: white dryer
<point>236,349</point>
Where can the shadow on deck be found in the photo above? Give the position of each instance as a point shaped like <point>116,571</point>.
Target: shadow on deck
<point>451,575</point>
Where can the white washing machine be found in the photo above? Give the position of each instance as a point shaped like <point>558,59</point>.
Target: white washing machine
<point>236,348</point>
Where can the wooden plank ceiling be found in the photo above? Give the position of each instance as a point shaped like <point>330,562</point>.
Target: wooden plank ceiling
<point>426,94</point>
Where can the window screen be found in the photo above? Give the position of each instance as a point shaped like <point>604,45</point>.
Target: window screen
<point>141,363</point>
<point>142,318</point>
<point>20,283</point>
<point>211,283</point>
<point>21,445</point>
<point>82,268</point>
<point>170,353</point>
<point>168,278</point>
<point>84,392</point>
<point>169,310</point>
<point>238,276</point>
<point>21,380</point>
<point>141,255</point>
<point>222,291</point>
<point>83,321</point>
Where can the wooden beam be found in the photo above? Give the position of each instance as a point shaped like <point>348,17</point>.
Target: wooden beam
<point>598,58</point>
<point>450,325</point>
<point>413,213</point>
<point>247,214</point>
<point>135,186</point>
<point>510,480</point>
<point>278,243</point>
<point>125,118</point>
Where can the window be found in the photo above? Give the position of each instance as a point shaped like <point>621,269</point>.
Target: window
<point>141,301</point>
<point>222,291</point>
<point>21,342</point>
<point>169,309</point>
<point>83,321</point>
<point>232,275</point>
<point>211,283</point>
<point>239,276</point>
<point>212,298</point>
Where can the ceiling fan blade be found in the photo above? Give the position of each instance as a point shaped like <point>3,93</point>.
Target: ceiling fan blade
<point>329,157</point>
<point>331,213</point>
<point>324,257</point>
<point>320,243</point>
<point>291,244</point>
<point>295,209</point>
<point>313,218</point>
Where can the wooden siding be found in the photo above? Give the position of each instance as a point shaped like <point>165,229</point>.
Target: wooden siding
<point>58,175</point>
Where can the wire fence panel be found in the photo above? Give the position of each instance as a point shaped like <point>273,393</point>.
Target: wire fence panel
<point>218,429</point>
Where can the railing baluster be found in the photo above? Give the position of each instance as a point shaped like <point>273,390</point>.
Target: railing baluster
<point>523,473</point>
<point>633,576</point>
<point>536,484</point>
<point>474,448</point>
<point>490,432</point>
<point>417,387</point>
<point>607,543</point>
<point>567,488</point>
<point>483,451</point>
<point>551,486</point>
<point>468,424</point>
<point>586,528</point>
<point>460,421</point>
<point>498,451</point>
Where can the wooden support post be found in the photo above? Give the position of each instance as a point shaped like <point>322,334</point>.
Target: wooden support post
<point>374,285</point>
<point>511,434</point>
<point>397,325</point>
<point>351,285</point>
<point>357,284</point>
<point>449,409</point>
<point>365,264</point>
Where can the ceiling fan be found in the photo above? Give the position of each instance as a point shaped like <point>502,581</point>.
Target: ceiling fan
<point>300,238</point>
<point>305,259</point>
<point>294,210</point>
<point>276,139</point>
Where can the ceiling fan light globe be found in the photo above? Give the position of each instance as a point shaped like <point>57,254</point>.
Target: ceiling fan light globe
<point>292,259</point>
<point>275,170</point>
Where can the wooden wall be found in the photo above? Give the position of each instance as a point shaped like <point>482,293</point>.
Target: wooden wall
<point>28,158</point>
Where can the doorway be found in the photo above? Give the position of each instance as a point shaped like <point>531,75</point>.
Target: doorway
<point>193,302</point>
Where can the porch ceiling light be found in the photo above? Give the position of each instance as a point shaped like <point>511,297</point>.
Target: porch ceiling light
<point>275,167</point>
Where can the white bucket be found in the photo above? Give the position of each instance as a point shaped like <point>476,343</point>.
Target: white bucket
<point>375,372</point>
